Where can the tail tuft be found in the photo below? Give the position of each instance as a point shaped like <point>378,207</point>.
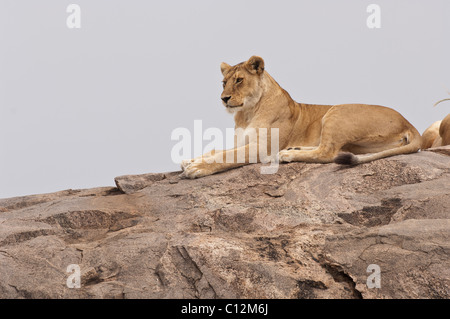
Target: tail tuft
<point>346,159</point>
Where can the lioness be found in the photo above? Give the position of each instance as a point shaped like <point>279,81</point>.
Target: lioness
<point>438,134</point>
<point>307,132</point>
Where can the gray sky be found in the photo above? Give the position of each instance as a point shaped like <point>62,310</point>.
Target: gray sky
<point>81,106</point>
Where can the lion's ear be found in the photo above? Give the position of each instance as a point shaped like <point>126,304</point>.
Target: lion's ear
<point>224,67</point>
<point>255,65</point>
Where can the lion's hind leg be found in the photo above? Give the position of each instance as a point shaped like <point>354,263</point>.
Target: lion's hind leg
<point>321,154</point>
<point>410,143</point>
<point>302,148</point>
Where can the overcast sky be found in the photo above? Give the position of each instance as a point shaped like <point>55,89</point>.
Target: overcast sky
<point>81,106</point>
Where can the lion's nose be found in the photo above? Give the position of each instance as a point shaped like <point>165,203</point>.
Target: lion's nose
<point>225,99</point>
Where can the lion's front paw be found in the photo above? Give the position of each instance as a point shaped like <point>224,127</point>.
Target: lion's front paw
<point>185,163</point>
<point>286,156</point>
<point>196,170</point>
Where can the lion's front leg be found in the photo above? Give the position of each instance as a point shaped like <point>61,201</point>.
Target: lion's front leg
<point>185,163</point>
<point>201,168</point>
<point>217,162</point>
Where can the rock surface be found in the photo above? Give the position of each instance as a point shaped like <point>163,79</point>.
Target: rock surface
<point>308,231</point>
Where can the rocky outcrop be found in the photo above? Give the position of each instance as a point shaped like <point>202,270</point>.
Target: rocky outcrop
<point>308,231</point>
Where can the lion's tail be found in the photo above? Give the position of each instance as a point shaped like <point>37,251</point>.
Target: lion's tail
<point>412,146</point>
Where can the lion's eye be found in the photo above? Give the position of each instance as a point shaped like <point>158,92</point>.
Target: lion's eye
<point>239,80</point>
<point>224,83</point>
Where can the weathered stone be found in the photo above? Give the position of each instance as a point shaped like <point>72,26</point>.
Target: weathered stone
<point>308,231</point>
<point>132,183</point>
<point>441,149</point>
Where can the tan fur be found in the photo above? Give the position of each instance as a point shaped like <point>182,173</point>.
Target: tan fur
<point>444,131</point>
<point>320,131</point>
<point>438,134</point>
<point>431,135</point>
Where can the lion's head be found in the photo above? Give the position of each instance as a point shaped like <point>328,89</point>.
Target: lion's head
<point>242,84</point>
